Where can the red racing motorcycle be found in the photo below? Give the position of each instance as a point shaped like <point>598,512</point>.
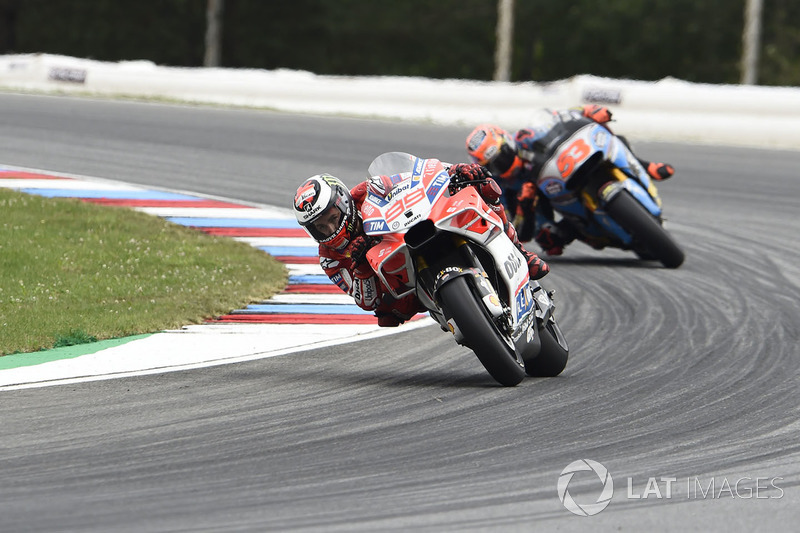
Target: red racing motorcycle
<point>439,240</point>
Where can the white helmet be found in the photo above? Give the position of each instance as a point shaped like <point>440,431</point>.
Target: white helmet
<point>319,195</point>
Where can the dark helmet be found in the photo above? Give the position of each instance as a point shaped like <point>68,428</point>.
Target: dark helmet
<point>321,196</point>
<point>492,147</point>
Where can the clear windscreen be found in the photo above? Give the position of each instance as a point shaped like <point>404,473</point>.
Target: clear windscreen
<point>543,120</point>
<point>391,163</point>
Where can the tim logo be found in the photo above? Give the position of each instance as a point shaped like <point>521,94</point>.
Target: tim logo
<point>376,225</point>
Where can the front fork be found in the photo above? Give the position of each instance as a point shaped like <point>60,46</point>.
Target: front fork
<point>459,261</point>
<point>596,194</point>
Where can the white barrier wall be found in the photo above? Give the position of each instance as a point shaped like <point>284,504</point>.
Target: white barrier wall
<point>667,110</point>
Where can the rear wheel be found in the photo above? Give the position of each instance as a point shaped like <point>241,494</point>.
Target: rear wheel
<point>480,332</point>
<point>553,356</point>
<point>647,233</point>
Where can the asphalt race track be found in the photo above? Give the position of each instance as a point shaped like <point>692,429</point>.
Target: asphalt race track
<point>691,375</point>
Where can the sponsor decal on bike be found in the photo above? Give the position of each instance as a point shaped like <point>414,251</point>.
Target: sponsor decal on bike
<point>432,168</point>
<point>418,164</point>
<point>376,200</point>
<point>447,272</point>
<point>637,167</point>
<point>524,302</point>
<point>572,156</point>
<point>397,190</point>
<point>608,190</point>
<point>437,185</point>
<point>543,299</point>
<point>402,204</point>
<point>483,282</point>
<point>553,187</point>
<point>525,326</point>
<point>600,138</point>
<point>451,269</point>
<point>512,264</point>
<point>372,226</point>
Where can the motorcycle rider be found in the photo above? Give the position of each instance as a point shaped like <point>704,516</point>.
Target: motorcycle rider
<point>331,215</point>
<point>514,161</point>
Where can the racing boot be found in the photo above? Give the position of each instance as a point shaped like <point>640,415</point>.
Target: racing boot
<point>537,268</point>
<point>659,171</point>
<point>524,220</point>
<point>491,193</point>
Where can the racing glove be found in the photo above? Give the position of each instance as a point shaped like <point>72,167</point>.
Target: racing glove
<point>598,113</point>
<point>356,250</point>
<point>466,172</point>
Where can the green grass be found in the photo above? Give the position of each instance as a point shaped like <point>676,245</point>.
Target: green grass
<point>73,272</point>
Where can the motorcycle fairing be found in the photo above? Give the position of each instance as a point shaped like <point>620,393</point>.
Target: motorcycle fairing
<point>612,188</point>
<point>453,214</point>
<point>420,195</point>
<point>592,144</point>
<point>410,200</point>
<point>580,148</point>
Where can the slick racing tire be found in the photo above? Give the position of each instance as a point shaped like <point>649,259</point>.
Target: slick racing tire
<point>646,231</point>
<point>480,332</point>
<point>553,356</point>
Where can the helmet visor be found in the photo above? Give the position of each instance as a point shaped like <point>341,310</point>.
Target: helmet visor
<point>328,224</point>
<point>500,164</point>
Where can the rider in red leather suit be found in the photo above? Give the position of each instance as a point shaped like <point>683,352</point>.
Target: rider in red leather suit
<point>330,213</point>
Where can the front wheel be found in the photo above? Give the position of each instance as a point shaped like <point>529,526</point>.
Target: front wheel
<point>646,231</point>
<point>480,332</point>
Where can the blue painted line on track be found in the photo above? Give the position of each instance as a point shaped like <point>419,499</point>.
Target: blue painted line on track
<point>316,309</point>
<point>293,251</point>
<point>235,222</point>
<point>115,194</point>
<point>310,279</point>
